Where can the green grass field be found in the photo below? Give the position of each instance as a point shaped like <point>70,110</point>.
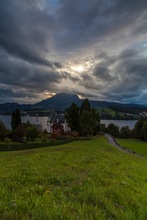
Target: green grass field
<point>81,180</point>
<point>136,145</point>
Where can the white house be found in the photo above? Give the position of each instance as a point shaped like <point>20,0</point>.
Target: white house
<point>58,119</point>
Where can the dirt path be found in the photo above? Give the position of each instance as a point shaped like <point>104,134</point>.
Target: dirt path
<point>113,142</point>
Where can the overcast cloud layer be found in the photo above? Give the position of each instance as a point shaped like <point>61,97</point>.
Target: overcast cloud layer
<point>94,48</point>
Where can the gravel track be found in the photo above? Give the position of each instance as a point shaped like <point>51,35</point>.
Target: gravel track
<point>113,142</point>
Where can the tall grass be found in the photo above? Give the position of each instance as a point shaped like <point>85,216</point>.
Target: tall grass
<point>79,180</point>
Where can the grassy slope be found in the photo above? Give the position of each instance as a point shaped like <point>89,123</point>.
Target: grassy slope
<point>81,180</point>
<point>134,144</point>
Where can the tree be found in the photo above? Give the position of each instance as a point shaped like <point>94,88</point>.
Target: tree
<point>85,106</point>
<point>89,119</point>
<point>2,126</point>
<point>32,133</point>
<point>72,117</point>
<point>84,120</point>
<point>19,134</point>
<point>113,130</point>
<point>137,128</point>
<point>125,132</point>
<point>16,119</point>
<point>143,132</point>
<point>97,120</point>
<point>13,121</point>
<point>4,132</point>
<point>88,123</point>
<point>103,128</point>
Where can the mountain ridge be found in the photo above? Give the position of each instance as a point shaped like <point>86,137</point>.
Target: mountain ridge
<point>61,101</point>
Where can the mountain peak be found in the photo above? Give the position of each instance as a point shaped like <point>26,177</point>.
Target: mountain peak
<point>60,101</point>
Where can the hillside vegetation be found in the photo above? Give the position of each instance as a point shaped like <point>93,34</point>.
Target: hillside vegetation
<point>79,180</point>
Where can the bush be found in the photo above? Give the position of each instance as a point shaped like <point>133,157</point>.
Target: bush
<point>7,140</point>
<point>32,133</point>
<point>4,132</point>
<point>18,134</point>
<point>125,132</point>
<point>103,128</point>
<point>143,132</point>
<point>53,136</point>
<point>44,138</point>
<point>113,130</point>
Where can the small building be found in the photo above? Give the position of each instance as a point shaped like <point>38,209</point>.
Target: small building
<point>56,123</point>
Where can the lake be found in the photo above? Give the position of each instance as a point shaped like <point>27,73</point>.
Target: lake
<point>33,120</point>
<point>43,121</point>
<point>120,123</point>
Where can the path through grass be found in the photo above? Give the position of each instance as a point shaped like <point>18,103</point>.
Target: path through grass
<point>136,145</point>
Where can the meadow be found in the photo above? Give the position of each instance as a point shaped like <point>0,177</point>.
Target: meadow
<point>136,145</point>
<point>81,180</point>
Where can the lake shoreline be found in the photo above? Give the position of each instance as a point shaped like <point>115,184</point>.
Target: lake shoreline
<point>42,120</point>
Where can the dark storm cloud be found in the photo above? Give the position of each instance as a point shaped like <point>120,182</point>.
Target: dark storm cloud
<point>116,78</point>
<point>129,53</point>
<point>58,65</point>
<point>21,75</point>
<point>24,43</point>
<point>86,77</point>
<point>102,72</point>
<point>24,32</point>
<point>89,82</point>
<point>24,78</point>
<point>6,93</point>
<point>17,95</point>
<point>130,80</point>
<point>73,78</point>
<point>34,33</point>
<point>28,32</point>
<point>87,21</point>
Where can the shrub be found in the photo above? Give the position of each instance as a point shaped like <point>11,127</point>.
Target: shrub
<point>7,140</point>
<point>32,133</point>
<point>113,130</point>
<point>143,132</point>
<point>44,138</point>
<point>125,132</point>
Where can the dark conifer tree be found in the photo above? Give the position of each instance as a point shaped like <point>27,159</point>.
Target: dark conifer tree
<point>16,119</point>
<point>72,117</point>
<point>85,106</point>
<point>89,119</point>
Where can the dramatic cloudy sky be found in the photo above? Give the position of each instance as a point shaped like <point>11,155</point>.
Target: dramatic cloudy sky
<point>94,48</point>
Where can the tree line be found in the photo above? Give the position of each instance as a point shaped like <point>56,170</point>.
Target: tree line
<point>84,121</point>
<point>139,131</point>
<point>20,132</point>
